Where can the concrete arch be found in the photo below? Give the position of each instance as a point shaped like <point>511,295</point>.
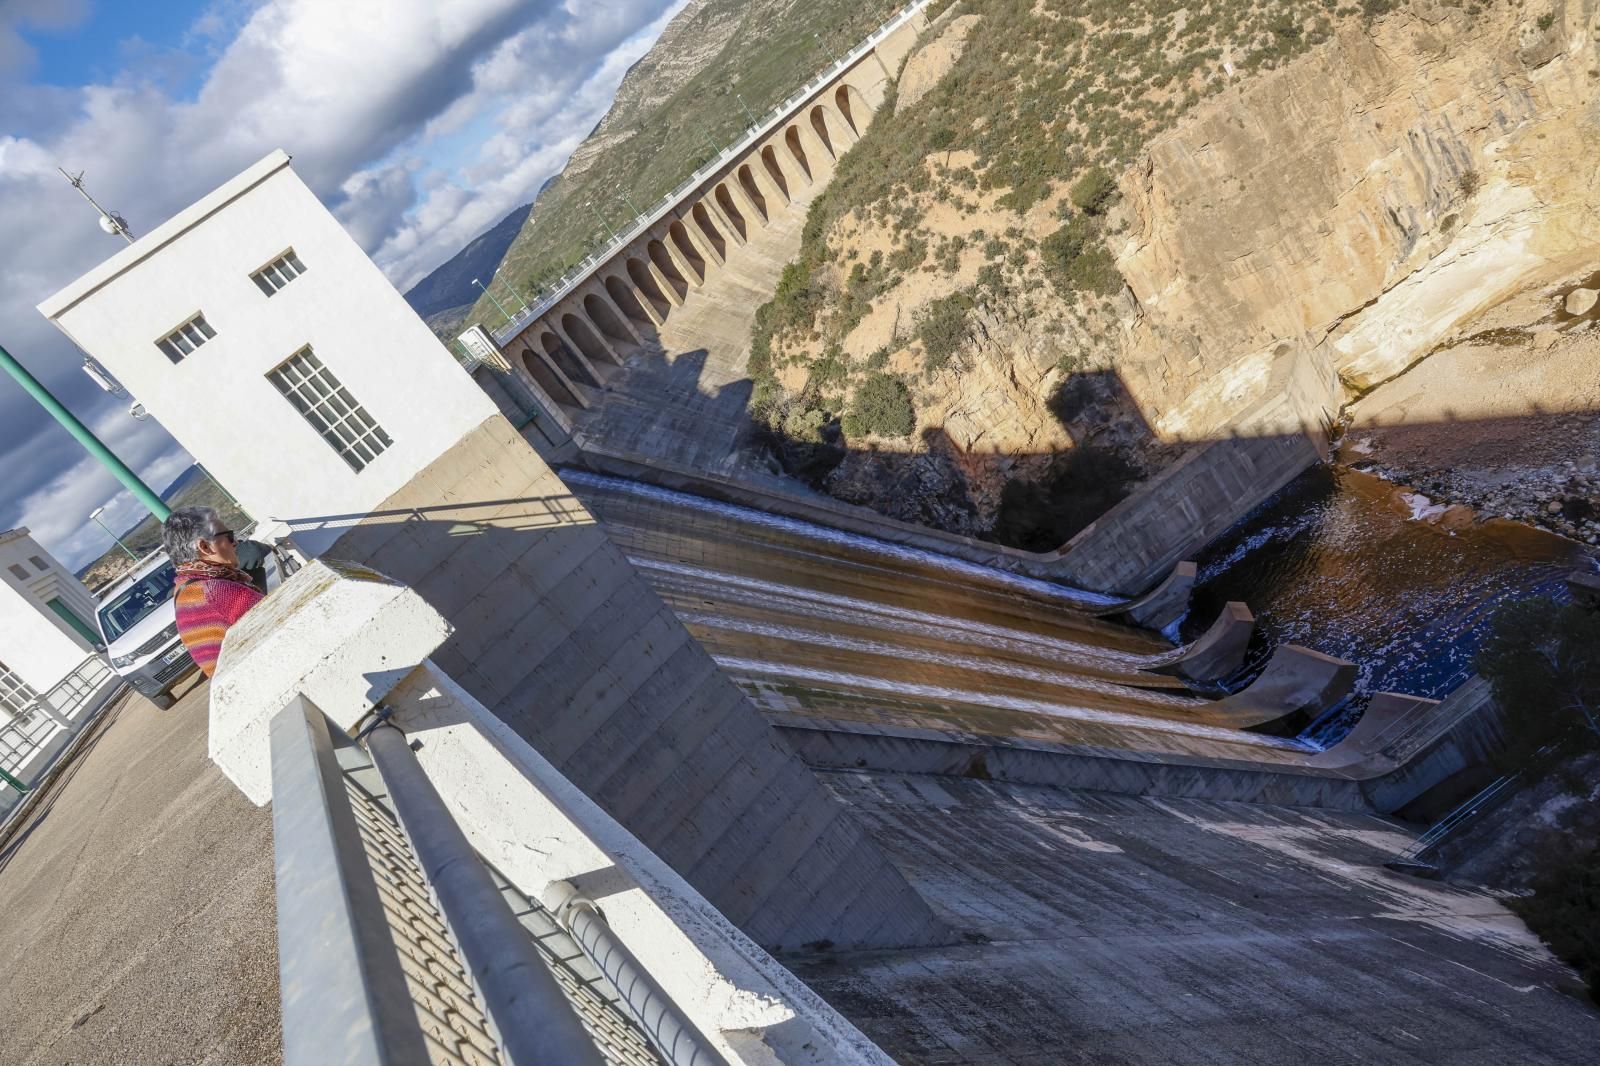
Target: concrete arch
<point>769,159</point>
<point>852,107</point>
<point>611,323</point>
<point>550,379</point>
<point>678,284</point>
<point>708,230</point>
<point>819,125</point>
<point>588,340</point>
<point>678,234</point>
<point>731,212</point>
<point>645,282</point>
<point>625,297</point>
<point>791,137</point>
<point>566,360</point>
<point>752,191</point>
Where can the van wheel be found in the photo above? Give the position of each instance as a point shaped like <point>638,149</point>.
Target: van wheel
<point>163,701</point>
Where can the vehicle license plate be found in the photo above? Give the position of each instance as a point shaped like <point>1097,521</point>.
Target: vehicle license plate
<point>175,654</point>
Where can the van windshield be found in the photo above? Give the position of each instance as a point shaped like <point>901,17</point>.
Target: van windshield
<point>137,601</point>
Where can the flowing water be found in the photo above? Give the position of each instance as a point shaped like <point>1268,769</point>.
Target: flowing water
<point>1339,562</point>
<point>820,624</point>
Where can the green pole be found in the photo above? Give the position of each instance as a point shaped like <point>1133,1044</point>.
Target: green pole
<point>129,479</point>
<point>7,778</point>
<point>506,314</point>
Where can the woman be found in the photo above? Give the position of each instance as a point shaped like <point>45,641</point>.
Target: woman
<point>212,592</point>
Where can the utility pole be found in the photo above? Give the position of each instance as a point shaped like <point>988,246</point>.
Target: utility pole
<point>142,492</point>
<point>492,300</point>
<point>95,514</point>
<point>110,221</point>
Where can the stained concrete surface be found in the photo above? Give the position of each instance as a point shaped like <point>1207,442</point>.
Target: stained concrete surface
<point>1113,929</point>
<point>138,917</point>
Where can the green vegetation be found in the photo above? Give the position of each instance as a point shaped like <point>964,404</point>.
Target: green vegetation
<point>1093,192</point>
<point>663,124</point>
<point>881,406</point>
<point>1564,910</point>
<point>1542,660</point>
<point>1075,259</point>
<point>942,329</point>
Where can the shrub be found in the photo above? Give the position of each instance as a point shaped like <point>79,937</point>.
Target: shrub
<point>942,329</point>
<point>1546,20</point>
<point>1074,259</point>
<point>1564,910</point>
<point>1093,192</point>
<point>1542,661</point>
<point>881,406</point>
<point>1469,183</point>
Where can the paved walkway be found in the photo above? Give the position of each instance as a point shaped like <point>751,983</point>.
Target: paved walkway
<point>136,907</point>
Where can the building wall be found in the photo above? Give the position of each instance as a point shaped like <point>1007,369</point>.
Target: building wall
<point>218,402</point>
<point>35,642</point>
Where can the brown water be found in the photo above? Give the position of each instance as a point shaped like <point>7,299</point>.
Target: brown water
<point>1336,562</point>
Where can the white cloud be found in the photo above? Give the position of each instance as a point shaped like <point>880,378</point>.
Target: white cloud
<point>420,123</point>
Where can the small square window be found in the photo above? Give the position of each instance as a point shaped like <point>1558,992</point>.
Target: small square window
<point>186,338</point>
<point>278,273</point>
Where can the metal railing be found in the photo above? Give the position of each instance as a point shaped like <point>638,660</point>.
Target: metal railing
<point>47,715</point>
<point>548,296</point>
<point>398,944</point>
<point>1413,857</point>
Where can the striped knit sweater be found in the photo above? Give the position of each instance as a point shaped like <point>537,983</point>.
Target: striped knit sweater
<point>207,604</point>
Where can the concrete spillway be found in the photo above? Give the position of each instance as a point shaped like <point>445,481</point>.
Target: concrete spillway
<point>819,623</point>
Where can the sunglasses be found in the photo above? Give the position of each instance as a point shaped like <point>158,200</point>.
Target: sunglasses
<point>219,534</point>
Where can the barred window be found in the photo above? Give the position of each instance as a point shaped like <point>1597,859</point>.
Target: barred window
<point>186,338</point>
<point>330,408</point>
<point>278,273</point>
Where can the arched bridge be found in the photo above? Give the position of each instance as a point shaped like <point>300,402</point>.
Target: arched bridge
<point>570,341</point>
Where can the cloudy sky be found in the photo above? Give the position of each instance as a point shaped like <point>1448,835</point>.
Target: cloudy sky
<point>421,123</point>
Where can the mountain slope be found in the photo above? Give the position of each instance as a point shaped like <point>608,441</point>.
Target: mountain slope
<point>716,60</point>
<point>450,285</point>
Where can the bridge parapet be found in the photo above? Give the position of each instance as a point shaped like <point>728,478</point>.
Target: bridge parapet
<point>390,860</point>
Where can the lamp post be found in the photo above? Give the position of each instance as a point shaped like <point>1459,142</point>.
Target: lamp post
<point>492,300</point>
<point>739,97</point>
<point>636,212</point>
<point>95,514</point>
<point>142,492</point>
<point>512,289</point>
<point>714,149</point>
<point>602,219</point>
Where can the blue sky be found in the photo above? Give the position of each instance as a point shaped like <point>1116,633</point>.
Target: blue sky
<point>420,123</point>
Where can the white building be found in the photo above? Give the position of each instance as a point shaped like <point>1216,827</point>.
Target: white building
<point>207,323</point>
<point>47,623</point>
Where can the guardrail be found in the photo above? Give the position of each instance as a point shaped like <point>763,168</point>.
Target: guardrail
<point>1412,858</point>
<point>52,713</point>
<point>398,944</point>
<point>548,296</point>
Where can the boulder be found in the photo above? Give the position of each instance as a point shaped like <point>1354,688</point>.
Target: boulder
<point>1582,301</point>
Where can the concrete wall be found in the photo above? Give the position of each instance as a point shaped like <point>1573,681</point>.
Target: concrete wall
<point>560,637</point>
<point>201,261</point>
<point>35,642</point>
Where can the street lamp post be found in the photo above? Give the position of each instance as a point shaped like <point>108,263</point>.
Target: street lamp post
<point>492,300</point>
<point>131,481</point>
<point>739,97</point>
<point>95,514</point>
<point>602,219</point>
<point>636,212</point>
<point>714,149</point>
<point>512,289</point>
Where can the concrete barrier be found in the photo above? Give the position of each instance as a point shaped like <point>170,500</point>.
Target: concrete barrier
<point>1297,682</point>
<point>1386,715</point>
<point>1585,589</point>
<point>1163,606</point>
<point>1219,652</point>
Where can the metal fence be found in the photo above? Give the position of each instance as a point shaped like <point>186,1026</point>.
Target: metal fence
<point>47,716</point>
<point>398,944</point>
<point>1415,858</point>
<point>548,296</point>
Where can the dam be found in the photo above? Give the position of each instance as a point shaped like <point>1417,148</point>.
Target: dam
<point>845,792</point>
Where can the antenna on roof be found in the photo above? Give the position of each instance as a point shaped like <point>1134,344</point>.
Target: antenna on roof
<point>110,221</point>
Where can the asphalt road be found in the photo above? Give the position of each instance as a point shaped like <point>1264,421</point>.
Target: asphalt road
<point>137,922</point>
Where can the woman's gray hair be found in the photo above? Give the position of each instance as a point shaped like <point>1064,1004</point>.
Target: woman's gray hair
<point>185,528</point>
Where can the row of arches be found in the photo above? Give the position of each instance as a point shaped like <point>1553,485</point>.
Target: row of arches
<point>575,346</point>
